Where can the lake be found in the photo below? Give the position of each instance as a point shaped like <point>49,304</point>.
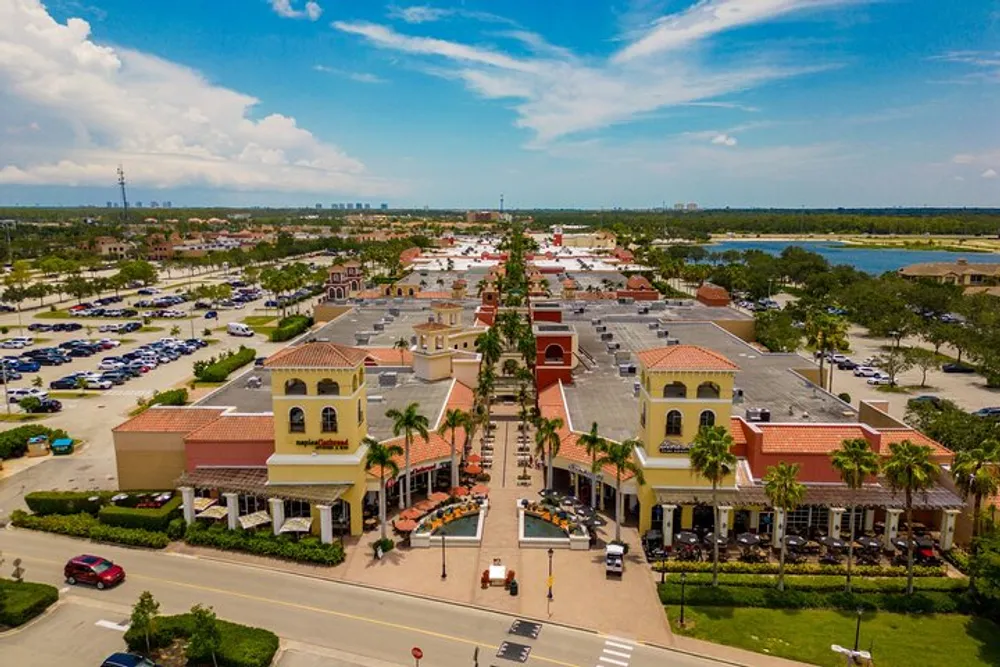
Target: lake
<point>870,260</point>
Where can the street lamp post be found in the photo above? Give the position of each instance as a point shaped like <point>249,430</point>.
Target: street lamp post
<point>551,552</point>
<point>683,582</point>
<point>857,630</point>
<point>444,564</point>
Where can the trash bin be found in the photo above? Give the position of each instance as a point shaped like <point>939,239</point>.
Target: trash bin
<point>513,587</point>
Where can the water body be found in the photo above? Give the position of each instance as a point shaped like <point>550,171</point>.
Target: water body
<point>871,260</point>
<point>536,527</point>
<point>465,526</point>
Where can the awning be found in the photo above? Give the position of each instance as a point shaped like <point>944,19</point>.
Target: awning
<point>248,521</point>
<point>299,524</point>
<point>214,512</point>
<point>253,481</point>
<point>827,495</point>
<point>202,504</point>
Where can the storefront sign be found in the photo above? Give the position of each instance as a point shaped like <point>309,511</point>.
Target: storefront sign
<point>674,448</point>
<point>579,470</point>
<point>323,444</point>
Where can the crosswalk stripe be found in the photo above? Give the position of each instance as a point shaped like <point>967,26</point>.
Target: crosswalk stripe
<point>621,663</point>
<point>620,654</point>
<point>627,647</point>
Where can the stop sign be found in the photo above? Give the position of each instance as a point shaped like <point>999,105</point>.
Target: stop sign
<point>416,653</point>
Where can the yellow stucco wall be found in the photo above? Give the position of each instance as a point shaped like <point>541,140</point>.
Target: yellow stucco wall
<point>349,427</point>
<point>653,408</point>
<point>148,460</point>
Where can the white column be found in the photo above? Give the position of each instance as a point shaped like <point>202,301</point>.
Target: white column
<point>948,529</point>
<point>834,518</point>
<point>400,482</point>
<point>277,506</point>
<point>779,526</point>
<point>891,526</point>
<point>187,497</point>
<point>325,523</point>
<point>725,511</point>
<point>668,525</point>
<point>869,520</point>
<point>754,521</point>
<point>232,509</point>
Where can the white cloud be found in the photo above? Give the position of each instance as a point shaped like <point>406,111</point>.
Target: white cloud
<point>989,173</point>
<point>101,106</point>
<point>559,94</point>
<point>985,65</point>
<point>426,14</point>
<point>284,8</point>
<point>360,77</point>
<point>724,140</point>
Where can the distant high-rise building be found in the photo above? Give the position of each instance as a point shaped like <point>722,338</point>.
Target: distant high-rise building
<point>349,205</point>
<point>138,204</point>
<point>114,204</point>
<point>110,204</point>
<point>692,207</point>
<point>319,207</point>
<point>367,206</point>
<point>384,206</point>
<point>167,204</point>
<point>358,205</point>
<point>679,206</point>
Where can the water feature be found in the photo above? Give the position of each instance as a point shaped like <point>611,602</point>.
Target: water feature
<point>537,527</point>
<point>465,526</point>
<point>871,260</point>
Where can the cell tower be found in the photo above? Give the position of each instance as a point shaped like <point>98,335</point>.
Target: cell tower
<point>501,203</point>
<point>121,184</point>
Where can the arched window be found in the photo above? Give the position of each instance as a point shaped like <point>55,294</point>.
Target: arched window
<point>674,422</point>
<point>675,390</point>
<point>553,353</point>
<point>295,387</point>
<point>296,421</point>
<point>361,414</point>
<point>328,387</point>
<point>708,390</point>
<point>328,420</point>
<point>642,415</point>
<point>707,418</point>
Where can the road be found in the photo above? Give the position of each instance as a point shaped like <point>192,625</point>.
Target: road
<point>318,614</point>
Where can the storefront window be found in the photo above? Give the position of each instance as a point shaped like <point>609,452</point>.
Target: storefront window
<point>296,421</point>
<point>674,422</point>
<point>329,419</point>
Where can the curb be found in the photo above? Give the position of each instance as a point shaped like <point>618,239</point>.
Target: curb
<point>693,654</point>
<point>45,614</point>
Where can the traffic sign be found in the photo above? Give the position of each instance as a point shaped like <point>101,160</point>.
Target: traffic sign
<point>416,653</point>
<point>552,580</point>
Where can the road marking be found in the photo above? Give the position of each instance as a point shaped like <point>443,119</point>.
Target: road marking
<point>619,648</point>
<point>627,647</point>
<point>620,654</point>
<point>623,663</point>
<point>111,625</point>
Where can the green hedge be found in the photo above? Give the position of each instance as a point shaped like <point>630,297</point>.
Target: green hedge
<point>261,543</point>
<point>169,397</point>
<point>22,601</point>
<point>66,502</point>
<point>290,327</point>
<point>737,567</point>
<point>826,582</point>
<point>220,369</point>
<point>936,602</point>
<point>86,525</point>
<point>146,519</point>
<point>14,441</point>
<point>240,645</point>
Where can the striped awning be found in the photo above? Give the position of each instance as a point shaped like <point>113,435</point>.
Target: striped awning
<point>214,512</point>
<point>248,521</point>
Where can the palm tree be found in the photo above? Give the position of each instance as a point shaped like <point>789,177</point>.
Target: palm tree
<point>594,444</point>
<point>826,333</point>
<point>785,492</point>
<point>454,419</point>
<point>975,472</point>
<point>406,423</point>
<point>855,461</point>
<point>712,458</point>
<point>909,469</point>
<point>383,457</point>
<point>488,344</point>
<point>620,455</point>
<point>402,345</point>
<point>547,443</point>
<point>510,367</point>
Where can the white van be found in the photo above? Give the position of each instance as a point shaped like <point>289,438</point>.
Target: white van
<point>614,559</point>
<point>239,329</point>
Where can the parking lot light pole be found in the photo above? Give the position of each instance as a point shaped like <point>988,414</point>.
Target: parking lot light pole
<point>683,582</point>
<point>444,566</point>
<point>857,630</point>
<point>551,552</point>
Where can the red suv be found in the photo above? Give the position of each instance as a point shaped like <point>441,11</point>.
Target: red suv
<point>93,570</point>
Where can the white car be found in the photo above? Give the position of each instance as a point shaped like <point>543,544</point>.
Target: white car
<point>27,340</point>
<point>837,358</point>
<point>108,328</point>
<point>109,365</point>
<point>108,341</point>
<point>95,383</point>
<point>15,394</point>
<point>12,345</point>
<point>879,379</point>
<point>864,371</point>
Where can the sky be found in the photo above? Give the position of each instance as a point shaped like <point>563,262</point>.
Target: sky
<point>562,103</point>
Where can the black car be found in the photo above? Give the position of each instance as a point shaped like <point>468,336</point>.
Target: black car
<point>46,405</point>
<point>958,368</point>
<point>63,383</point>
<point>847,365</point>
<point>115,377</point>
<point>4,308</point>
<point>79,351</point>
<point>38,326</point>
<point>127,660</point>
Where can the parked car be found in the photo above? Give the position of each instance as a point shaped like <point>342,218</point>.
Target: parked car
<point>15,394</point>
<point>879,380</point>
<point>110,365</point>
<point>957,368</point>
<point>212,315</point>
<point>46,405</point>
<point>37,326</point>
<point>926,399</point>
<point>847,365</point>
<point>94,383</point>
<point>63,383</point>
<point>8,375</point>
<point>94,570</point>
<point>864,371</point>
<point>27,366</point>
<point>127,660</point>
<point>987,412</point>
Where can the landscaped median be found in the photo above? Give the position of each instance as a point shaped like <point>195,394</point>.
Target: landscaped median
<point>737,567</point>
<point>88,526</point>
<point>218,369</point>
<point>21,601</point>
<point>238,645</point>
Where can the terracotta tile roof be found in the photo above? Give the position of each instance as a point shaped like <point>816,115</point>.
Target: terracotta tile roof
<point>961,267</point>
<point>893,435</point>
<point>459,283</point>
<point>387,356</point>
<point>169,420</point>
<point>432,327</point>
<point>317,355</point>
<point>685,358</point>
<point>638,283</point>
<point>807,438</point>
<point>710,291</point>
<point>736,430</point>
<point>236,428</point>
<point>446,305</point>
<point>432,295</point>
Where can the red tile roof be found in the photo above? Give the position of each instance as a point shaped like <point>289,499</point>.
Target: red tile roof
<point>638,283</point>
<point>736,430</point>
<point>159,419</point>
<point>807,438</point>
<point>317,355</point>
<point>387,356</point>
<point>894,435</point>
<point>710,291</point>
<point>685,358</point>
<point>236,428</point>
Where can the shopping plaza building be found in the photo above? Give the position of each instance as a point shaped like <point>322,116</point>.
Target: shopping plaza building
<point>290,446</point>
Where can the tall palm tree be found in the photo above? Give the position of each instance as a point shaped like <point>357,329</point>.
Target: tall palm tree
<point>510,367</point>
<point>785,492</point>
<point>594,444</point>
<point>453,420</point>
<point>856,462</point>
<point>382,457</point>
<point>488,344</point>
<point>826,333</point>
<point>712,458</point>
<point>407,423</point>
<point>547,443</point>
<point>976,474</point>
<point>909,469</point>
<point>621,456</point>
<point>402,345</point>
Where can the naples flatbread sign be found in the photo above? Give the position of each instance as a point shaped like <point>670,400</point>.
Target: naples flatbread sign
<point>323,444</point>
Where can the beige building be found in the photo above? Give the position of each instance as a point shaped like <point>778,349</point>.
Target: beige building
<point>961,272</point>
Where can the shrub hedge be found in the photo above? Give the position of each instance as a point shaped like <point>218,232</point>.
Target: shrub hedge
<point>44,503</point>
<point>827,582</point>
<point>937,602</point>
<point>146,519</point>
<point>239,646</point>
<point>22,601</point>
<point>14,441</point>
<point>86,525</point>
<point>176,529</point>
<point>737,567</point>
<point>306,549</point>
<point>219,370</point>
<point>169,397</point>
<point>290,327</point>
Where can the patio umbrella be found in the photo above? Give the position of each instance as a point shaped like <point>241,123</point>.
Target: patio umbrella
<point>473,469</point>
<point>425,505</point>
<point>405,525</point>
<point>549,493</point>
<point>460,491</point>
<point>720,539</point>
<point>411,513</point>
<point>748,539</point>
<point>480,490</point>
<point>866,542</point>
<point>795,541</point>
<point>919,543</point>
<point>686,538</point>
<point>831,542</point>
<point>438,497</point>
<point>473,458</point>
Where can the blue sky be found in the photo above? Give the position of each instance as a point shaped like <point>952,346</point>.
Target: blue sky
<point>555,104</point>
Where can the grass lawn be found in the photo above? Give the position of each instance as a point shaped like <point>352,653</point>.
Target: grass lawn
<point>258,320</point>
<point>20,417</point>
<point>150,329</point>
<point>61,314</point>
<point>896,640</point>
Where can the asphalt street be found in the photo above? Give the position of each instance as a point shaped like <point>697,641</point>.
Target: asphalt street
<point>311,616</point>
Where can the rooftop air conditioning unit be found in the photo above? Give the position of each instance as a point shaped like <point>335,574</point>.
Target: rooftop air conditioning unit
<point>607,335</point>
<point>759,415</point>
<point>601,328</point>
<point>595,321</point>
<point>662,333</point>
<point>378,326</point>
<point>673,341</point>
<point>737,395</point>
<point>635,388</point>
